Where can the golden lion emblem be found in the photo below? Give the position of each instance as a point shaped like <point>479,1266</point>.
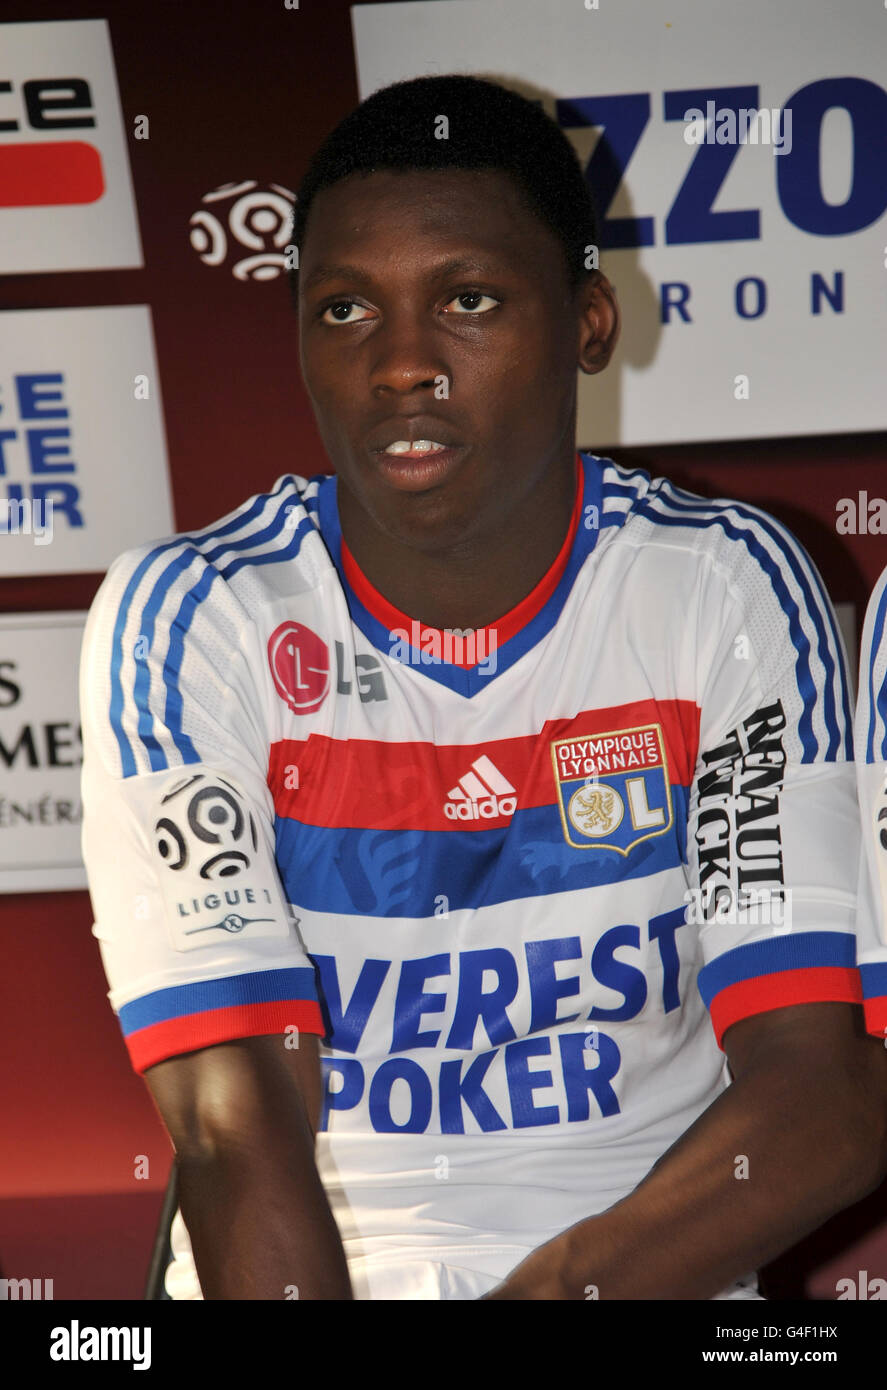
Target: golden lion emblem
<point>596,810</point>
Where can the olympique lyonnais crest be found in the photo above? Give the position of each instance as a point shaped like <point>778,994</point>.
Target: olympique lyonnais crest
<point>613,788</point>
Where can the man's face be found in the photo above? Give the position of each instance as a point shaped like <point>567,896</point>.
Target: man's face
<point>435,306</point>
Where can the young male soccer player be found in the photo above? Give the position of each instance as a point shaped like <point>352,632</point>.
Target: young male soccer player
<point>521,777</point>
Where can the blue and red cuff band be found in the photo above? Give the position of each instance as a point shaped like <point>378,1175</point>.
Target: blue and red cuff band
<point>874,996</point>
<point>185,1018</point>
<point>797,968</point>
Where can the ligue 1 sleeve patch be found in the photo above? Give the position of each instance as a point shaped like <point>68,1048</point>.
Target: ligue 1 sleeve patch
<point>216,874</point>
<point>613,788</point>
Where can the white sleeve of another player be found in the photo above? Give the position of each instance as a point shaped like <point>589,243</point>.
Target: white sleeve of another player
<point>870,740</point>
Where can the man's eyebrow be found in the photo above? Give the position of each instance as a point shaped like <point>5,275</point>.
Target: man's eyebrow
<point>322,273</point>
<point>455,265</point>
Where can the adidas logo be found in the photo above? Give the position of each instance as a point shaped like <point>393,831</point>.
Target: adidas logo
<point>482,794</point>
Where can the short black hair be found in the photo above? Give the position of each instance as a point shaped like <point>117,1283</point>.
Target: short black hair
<point>490,127</point>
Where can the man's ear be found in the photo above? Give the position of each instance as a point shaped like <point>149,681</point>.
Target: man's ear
<point>600,323</point>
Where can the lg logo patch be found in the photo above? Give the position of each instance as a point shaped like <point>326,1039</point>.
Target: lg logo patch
<point>300,669</point>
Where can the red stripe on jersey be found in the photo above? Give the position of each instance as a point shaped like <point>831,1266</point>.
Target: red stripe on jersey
<point>504,628</point>
<point>161,1040</point>
<point>820,984</point>
<point>876,1016</point>
<point>368,784</point>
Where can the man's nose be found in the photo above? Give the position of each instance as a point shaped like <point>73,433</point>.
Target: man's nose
<point>406,354</point>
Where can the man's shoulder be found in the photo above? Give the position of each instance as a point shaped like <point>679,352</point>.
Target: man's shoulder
<point>718,534</point>
<point>262,536</point>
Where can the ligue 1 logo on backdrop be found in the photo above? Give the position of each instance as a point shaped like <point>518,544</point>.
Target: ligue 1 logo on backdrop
<point>245,217</point>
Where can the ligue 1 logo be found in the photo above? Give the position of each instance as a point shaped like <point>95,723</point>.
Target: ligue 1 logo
<point>613,788</point>
<point>238,217</point>
<point>300,666</point>
<point>211,832</point>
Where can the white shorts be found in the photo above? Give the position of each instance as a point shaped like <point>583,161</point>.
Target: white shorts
<point>456,1272</point>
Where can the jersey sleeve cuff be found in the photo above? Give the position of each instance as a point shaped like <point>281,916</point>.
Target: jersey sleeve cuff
<point>185,1018</point>
<point>873,973</point>
<point>799,968</point>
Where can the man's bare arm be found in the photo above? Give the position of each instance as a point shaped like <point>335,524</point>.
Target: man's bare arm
<point>242,1116</point>
<point>807,1111</point>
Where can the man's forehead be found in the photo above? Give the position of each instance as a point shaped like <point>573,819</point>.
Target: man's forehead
<point>478,216</point>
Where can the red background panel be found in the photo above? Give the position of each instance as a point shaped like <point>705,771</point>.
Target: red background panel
<point>236,91</point>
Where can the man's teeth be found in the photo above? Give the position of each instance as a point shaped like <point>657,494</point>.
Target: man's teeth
<point>419,446</point>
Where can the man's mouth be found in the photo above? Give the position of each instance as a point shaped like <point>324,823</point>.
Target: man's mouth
<point>418,449</point>
<point>419,464</point>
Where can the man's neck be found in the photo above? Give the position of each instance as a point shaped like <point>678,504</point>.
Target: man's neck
<point>472,584</point>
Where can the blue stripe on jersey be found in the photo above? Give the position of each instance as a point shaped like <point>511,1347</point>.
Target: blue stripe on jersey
<point>310,503</point>
<point>254,987</point>
<point>180,626</point>
<point>626,491</point>
<point>471,681</point>
<point>387,873</point>
<point>877,699</point>
<point>794,951</point>
<point>713,513</point>
<point>874,980</point>
<point>127,758</point>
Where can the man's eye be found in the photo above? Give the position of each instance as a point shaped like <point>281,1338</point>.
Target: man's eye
<point>340,312</point>
<point>471,301</point>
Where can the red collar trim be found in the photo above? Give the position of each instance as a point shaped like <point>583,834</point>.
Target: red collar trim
<point>486,638</point>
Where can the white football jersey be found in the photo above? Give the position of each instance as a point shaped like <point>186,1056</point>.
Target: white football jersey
<point>871,771</point>
<point>523,879</point>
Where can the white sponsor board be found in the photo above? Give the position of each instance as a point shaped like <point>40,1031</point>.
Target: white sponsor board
<point>83,470</point>
<point>751,275</point>
<point>40,752</point>
<point>66,197</point>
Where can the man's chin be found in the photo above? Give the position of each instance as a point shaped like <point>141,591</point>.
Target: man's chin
<point>435,517</point>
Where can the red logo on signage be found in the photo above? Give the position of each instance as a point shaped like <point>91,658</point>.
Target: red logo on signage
<point>50,174</point>
<point>300,666</point>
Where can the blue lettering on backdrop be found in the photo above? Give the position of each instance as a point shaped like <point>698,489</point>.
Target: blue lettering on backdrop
<point>692,219</point>
<point>39,396</point>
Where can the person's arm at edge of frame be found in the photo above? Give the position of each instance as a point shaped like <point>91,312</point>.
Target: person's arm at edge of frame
<point>807,1109</point>
<point>242,1116</point>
